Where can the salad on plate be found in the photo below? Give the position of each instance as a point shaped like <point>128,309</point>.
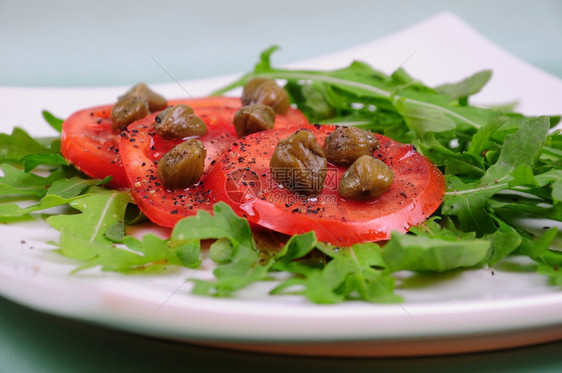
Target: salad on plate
<point>325,183</point>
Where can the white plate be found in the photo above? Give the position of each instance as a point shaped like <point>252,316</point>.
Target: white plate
<point>448,313</point>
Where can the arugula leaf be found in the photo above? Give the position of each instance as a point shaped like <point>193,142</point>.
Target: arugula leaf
<point>367,275</point>
<point>100,210</point>
<point>357,272</point>
<point>242,266</point>
<point>54,190</point>
<point>17,182</point>
<point>539,250</point>
<point>530,206</point>
<point>150,252</point>
<point>481,141</point>
<point>53,121</point>
<point>221,251</point>
<point>47,202</point>
<point>291,257</point>
<point>435,252</point>
<point>31,161</point>
<point>465,164</point>
<point>503,242</point>
<point>91,237</point>
<point>18,144</point>
<point>466,87</point>
<point>318,99</point>
<point>224,224</point>
<point>298,246</point>
<point>424,119</point>
<point>467,201</point>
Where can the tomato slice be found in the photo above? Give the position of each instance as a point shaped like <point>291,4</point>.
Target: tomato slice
<point>141,148</point>
<point>88,142</point>
<point>87,139</point>
<point>243,179</point>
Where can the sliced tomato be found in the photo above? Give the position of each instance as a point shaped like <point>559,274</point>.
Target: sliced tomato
<point>141,148</point>
<point>243,179</point>
<point>88,142</point>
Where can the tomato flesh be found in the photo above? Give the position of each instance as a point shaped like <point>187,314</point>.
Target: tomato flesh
<point>141,148</point>
<point>88,141</point>
<point>243,179</point>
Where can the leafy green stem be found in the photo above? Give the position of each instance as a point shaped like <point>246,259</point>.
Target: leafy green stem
<point>306,75</point>
<point>496,186</point>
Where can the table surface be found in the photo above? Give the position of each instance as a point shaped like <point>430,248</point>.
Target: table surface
<point>100,43</point>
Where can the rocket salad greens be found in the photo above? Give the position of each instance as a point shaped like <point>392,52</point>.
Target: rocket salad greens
<point>499,167</point>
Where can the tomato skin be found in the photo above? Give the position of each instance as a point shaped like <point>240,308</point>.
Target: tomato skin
<point>88,141</point>
<point>416,192</point>
<point>141,148</point>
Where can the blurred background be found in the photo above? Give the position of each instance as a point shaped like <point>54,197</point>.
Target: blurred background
<point>108,42</point>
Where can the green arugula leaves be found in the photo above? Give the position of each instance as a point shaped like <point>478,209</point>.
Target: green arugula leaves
<point>500,166</point>
<point>18,144</point>
<point>55,184</point>
<point>96,236</point>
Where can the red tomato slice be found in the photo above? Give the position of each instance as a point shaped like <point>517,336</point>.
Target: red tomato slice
<point>88,142</point>
<point>243,179</point>
<point>141,148</point>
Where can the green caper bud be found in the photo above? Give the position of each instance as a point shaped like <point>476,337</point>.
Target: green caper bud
<point>263,91</point>
<point>299,163</point>
<point>178,122</point>
<point>156,102</point>
<point>347,144</point>
<point>128,110</point>
<point>253,118</point>
<point>366,179</point>
<point>182,166</point>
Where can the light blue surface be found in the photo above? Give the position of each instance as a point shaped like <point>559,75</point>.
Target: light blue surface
<point>105,42</point>
<point>71,43</point>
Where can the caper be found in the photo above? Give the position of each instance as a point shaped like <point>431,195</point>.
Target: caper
<point>156,102</point>
<point>178,122</point>
<point>299,163</point>
<point>253,118</point>
<point>182,166</point>
<point>128,110</point>
<point>264,91</point>
<point>347,144</point>
<point>366,179</point>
